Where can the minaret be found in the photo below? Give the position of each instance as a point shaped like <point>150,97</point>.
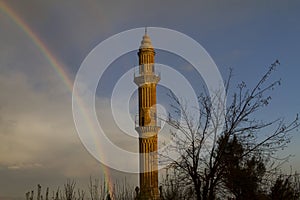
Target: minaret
<point>147,124</point>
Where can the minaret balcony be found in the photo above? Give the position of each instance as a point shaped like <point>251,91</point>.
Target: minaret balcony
<point>142,77</point>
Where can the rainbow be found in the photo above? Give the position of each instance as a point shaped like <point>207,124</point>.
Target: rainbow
<point>54,62</point>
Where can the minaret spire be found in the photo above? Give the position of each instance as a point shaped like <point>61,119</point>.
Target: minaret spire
<point>147,125</point>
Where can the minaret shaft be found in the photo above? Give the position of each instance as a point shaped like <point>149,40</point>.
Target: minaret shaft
<point>147,105</point>
<point>147,121</point>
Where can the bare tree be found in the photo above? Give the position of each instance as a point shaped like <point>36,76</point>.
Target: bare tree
<point>69,190</point>
<point>174,189</point>
<point>198,143</point>
<point>123,190</point>
<point>97,191</point>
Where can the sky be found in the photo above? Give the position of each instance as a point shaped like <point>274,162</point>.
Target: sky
<point>43,44</point>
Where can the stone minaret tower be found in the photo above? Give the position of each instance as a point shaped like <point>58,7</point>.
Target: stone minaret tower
<point>147,124</point>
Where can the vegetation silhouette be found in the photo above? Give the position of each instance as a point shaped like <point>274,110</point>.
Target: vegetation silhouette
<point>232,158</point>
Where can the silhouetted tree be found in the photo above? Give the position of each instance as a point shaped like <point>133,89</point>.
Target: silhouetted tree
<point>174,189</point>
<point>285,189</point>
<point>69,190</point>
<point>97,191</point>
<point>202,143</point>
<point>242,174</point>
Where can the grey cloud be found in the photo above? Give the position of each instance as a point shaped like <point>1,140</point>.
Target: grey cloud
<point>38,140</point>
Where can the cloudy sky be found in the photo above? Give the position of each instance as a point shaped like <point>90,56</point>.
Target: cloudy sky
<point>38,138</point>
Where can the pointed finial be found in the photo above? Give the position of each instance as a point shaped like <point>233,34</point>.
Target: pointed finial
<point>146,42</point>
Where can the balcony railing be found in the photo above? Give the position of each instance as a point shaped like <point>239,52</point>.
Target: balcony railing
<point>143,71</point>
